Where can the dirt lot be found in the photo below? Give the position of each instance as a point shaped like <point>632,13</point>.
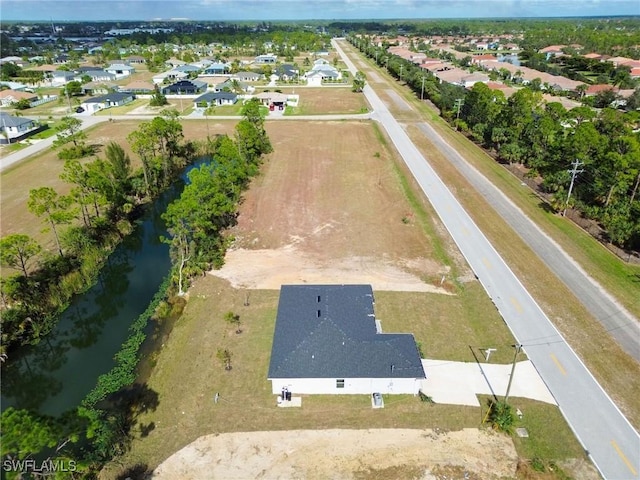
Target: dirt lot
<point>316,215</point>
<point>327,100</point>
<point>344,454</point>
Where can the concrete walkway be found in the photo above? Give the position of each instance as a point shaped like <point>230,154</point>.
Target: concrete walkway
<point>459,383</point>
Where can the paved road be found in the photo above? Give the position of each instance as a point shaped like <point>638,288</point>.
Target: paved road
<point>607,436</point>
<point>621,324</point>
<point>7,160</point>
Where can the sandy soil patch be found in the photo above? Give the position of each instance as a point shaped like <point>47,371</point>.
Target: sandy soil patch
<point>398,100</point>
<point>270,269</point>
<point>342,454</point>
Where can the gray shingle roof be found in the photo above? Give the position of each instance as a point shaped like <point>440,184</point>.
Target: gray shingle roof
<point>328,331</point>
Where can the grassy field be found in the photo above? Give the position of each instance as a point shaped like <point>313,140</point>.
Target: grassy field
<point>326,100</point>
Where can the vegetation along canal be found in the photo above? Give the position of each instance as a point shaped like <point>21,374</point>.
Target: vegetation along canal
<point>54,376</point>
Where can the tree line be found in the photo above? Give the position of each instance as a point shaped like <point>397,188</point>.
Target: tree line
<point>100,428</point>
<point>545,138</point>
<point>105,197</point>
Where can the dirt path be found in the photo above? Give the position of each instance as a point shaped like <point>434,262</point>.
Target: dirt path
<point>344,454</point>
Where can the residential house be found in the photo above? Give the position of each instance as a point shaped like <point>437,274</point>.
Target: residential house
<point>328,341</point>
<point>217,68</point>
<point>232,84</point>
<point>480,59</point>
<point>15,60</point>
<point>216,99</point>
<point>286,72</point>
<point>135,60</point>
<point>138,87</point>
<point>185,87</point>
<point>7,97</point>
<point>170,76</point>
<point>14,129</point>
<point>114,99</point>
<point>96,74</point>
<point>98,88</point>
<point>188,69</point>
<point>248,76</point>
<point>120,70</point>
<point>267,59</point>
<point>61,77</point>
<point>469,81</point>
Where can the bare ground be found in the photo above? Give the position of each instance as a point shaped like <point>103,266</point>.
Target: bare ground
<point>344,454</point>
<point>330,212</point>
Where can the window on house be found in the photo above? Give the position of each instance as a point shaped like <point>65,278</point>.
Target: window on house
<point>340,383</point>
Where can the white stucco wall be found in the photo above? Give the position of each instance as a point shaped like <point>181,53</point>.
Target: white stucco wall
<point>352,386</point>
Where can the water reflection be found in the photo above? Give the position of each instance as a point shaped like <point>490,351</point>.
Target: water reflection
<point>55,375</point>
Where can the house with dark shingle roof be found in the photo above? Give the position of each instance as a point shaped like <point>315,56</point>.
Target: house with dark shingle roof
<point>185,87</point>
<point>215,99</point>
<point>327,341</point>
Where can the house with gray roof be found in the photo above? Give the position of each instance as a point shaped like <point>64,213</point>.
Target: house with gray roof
<point>14,129</point>
<point>215,99</point>
<point>113,99</point>
<point>328,341</point>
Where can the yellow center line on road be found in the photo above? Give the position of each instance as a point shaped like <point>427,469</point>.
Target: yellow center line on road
<point>558,364</point>
<point>624,459</point>
<point>486,262</point>
<point>515,303</point>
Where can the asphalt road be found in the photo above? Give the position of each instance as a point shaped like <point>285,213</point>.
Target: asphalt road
<point>621,324</point>
<point>607,436</point>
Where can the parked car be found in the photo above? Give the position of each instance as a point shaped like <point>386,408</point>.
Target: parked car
<point>377,399</point>
<point>79,110</point>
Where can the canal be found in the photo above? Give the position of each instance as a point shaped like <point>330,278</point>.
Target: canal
<point>55,375</point>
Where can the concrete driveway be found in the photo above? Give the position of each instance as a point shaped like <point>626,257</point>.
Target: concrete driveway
<point>459,383</point>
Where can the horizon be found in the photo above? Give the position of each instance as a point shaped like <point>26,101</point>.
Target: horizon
<point>321,10</point>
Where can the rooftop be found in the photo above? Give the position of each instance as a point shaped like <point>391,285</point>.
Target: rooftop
<point>329,331</point>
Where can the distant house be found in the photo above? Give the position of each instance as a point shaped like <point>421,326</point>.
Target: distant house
<point>287,72</point>
<point>215,99</point>
<point>249,76</point>
<point>187,68</point>
<point>135,59</point>
<point>138,87</point>
<point>170,76</point>
<point>327,341</point>
<point>98,88</point>
<point>114,99</point>
<point>96,74</point>
<point>7,97</point>
<point>268,59</point>
<point>61,77</point>
<point>185,87</point>
<point>232,84</point>
<point>216,68</point>
<point>120,70</point>
<point>14,129</point>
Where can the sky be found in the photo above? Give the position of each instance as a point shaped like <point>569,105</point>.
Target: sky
<point>225,10</point>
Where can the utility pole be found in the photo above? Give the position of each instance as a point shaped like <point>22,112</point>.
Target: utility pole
<point>401,67</point>
<point>458,104</point>
<point>574,172</point>
<point>513,369</point>
<point>422,89</point>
